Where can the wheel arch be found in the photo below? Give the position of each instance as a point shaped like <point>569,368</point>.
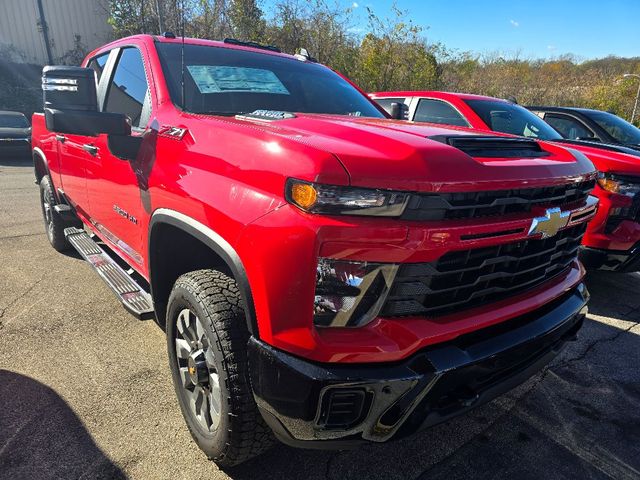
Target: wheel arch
<point>189,232</point>
<point>40,165</point>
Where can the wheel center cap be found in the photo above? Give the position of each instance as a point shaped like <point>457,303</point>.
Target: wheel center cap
<point>197,368</point>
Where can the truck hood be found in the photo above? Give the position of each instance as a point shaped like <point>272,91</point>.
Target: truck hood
<point>383,153</point>
<point>611,161</point>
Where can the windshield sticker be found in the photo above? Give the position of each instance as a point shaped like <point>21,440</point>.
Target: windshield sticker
<point>266,115</point>
<point>222,79</point>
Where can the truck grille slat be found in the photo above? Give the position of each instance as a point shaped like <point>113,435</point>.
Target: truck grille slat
<point>469,205</point>
<point>471,278</point>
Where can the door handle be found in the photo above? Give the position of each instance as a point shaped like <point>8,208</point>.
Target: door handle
<point>92,149</point>
<point>60,138</point>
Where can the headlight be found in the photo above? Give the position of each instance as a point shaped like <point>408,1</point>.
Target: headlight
<point>622,185</point>
<point>334,200</point>
<point>350,294</point>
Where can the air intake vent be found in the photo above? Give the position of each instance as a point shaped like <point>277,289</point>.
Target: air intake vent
<point>493,147</point>
<point>342,408</point>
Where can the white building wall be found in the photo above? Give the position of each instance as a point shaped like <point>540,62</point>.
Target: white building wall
<point>21,35</point>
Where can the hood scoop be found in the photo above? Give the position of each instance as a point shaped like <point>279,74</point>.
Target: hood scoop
<point>493,147</point>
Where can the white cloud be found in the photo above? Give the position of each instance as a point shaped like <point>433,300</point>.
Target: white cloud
<point>551,48</point>
<point>514,23</point>
<point>355,5</point>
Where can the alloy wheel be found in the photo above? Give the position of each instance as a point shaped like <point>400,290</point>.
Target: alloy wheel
<point>198,374</point>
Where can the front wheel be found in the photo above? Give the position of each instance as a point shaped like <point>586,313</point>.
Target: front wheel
<point>207,345</point>
<point>54,225</point>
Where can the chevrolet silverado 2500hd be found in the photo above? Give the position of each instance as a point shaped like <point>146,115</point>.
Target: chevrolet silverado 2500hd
<point>612,239</point>
<point>324,274</point>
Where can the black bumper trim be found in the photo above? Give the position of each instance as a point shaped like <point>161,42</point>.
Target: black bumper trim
<point>432,386</point>
<point>611,260</point>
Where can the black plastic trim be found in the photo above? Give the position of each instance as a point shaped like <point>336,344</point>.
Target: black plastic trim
<point>624,261</point>
<point>216,243</point>
<point>428,388</point>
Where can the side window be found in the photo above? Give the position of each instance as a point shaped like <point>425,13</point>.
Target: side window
<point>97,64</point>
<point>128,91</point>
<point>437,111</point>
<point>568,127</point>
<point>386,104</point>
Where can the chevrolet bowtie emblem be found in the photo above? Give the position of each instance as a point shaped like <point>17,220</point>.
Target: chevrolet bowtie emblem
<point>553,220</point>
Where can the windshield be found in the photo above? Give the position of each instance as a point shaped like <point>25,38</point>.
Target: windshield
<point>13,121</point>
<point>226,81</point>
<point>615,126</point>
<point>511,118</point>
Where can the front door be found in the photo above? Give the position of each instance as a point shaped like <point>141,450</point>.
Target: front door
<point>117,193</point>
<point>76,151</point>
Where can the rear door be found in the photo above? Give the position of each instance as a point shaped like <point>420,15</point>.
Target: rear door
<point>74,154</point>
<point>118,188</point>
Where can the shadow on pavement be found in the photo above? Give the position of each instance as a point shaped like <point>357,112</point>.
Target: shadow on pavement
<point>42,438</point>
<point>577,419</point>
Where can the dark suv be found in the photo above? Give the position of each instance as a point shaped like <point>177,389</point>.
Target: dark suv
<point>590,125</point>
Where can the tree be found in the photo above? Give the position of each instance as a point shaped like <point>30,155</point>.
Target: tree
<point>247,20</point>
<point>395,56</point>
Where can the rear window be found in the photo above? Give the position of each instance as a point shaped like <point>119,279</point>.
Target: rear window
<point>568,127</point>
<point>511,118</point>
<point>13,121</point>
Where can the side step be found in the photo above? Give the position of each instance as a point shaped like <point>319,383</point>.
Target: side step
<point>133,297</point>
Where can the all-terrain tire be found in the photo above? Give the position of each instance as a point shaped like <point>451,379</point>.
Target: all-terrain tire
<point>54,225</point>
<point>214,299</point>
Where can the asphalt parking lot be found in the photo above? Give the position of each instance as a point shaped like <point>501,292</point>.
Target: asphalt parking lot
<point>85,391</point>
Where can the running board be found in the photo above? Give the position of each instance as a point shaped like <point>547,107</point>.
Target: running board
<point>133,297</point>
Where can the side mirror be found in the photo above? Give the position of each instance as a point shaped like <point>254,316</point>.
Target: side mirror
<point>71,104</point>
<point>396,110</point>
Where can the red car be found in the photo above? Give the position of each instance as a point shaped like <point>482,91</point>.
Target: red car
<point>323,273</point>
<point>612,241</point>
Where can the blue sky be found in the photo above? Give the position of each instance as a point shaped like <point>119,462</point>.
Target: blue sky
<point>536,28</point>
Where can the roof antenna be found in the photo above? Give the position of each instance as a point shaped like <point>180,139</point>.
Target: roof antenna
<point>182,62</point>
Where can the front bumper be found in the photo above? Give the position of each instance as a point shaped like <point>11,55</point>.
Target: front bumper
<point>311,405</point>
<point>612,260</point>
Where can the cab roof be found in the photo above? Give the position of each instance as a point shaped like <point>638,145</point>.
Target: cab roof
<point>434,94</point>
<point>144,38</point>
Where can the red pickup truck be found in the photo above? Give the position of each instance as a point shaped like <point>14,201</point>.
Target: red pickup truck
<point>612,240</point>
<point>324,274</point>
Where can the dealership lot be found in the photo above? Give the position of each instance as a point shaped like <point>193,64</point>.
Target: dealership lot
<point>85,390</point>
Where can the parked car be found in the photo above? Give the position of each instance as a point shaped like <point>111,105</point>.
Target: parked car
<point>323,273</point>
<point>591,125</point>
<point>612,240</point>
<point>15,135</point>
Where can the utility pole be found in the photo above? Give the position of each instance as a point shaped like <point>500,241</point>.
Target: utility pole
<point>635,105</point>
<point>160,29</point>
<point>45,32</point>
